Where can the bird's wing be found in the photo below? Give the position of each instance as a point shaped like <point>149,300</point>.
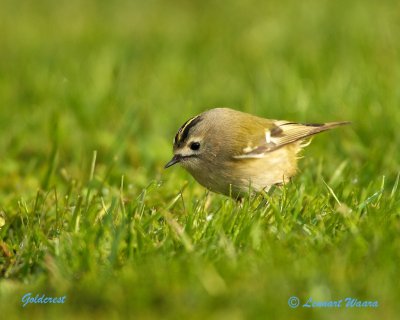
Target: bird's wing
<point>280,133</point>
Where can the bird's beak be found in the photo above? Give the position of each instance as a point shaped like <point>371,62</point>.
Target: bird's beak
<point>176,158</point>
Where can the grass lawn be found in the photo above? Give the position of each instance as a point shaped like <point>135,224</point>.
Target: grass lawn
<point>91,95</point>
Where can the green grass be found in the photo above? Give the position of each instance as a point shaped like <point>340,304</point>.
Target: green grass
<point>91,94</point>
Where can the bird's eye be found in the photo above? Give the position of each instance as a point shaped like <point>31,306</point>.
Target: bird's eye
<point>195,146</point>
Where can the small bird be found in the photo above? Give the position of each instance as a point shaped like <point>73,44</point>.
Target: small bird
<point>234,153</point>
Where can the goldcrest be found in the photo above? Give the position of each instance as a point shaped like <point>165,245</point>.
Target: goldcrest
<point>233,152</point>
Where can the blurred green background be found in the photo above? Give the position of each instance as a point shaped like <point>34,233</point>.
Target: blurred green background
<point>120,78</point>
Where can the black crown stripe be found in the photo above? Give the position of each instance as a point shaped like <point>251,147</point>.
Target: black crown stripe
<point>184,130</point>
